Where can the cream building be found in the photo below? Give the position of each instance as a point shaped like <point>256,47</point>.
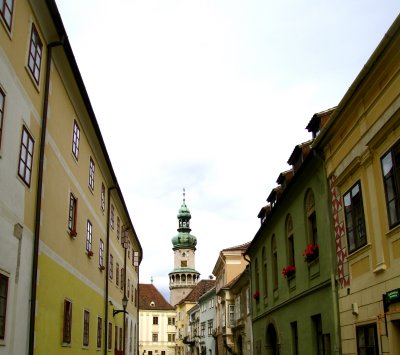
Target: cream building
<point>361,147</point>
<point>156,322</point>
<point>70,254</point>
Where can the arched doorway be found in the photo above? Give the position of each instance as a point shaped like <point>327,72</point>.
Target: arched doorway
<point>271,341</point>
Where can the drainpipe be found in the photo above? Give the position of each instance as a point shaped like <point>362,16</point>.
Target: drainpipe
<point>36,238</point>
<point>335,300</point>
<point>107,270</point>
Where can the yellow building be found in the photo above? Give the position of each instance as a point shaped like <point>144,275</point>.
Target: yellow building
<point>230,264</point>
<point>361,147</point>
<point>77,235</point>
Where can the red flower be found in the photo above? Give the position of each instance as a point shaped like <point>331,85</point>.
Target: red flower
<point>256,295</point>
<point>288,270</point>
<point>311,252</point>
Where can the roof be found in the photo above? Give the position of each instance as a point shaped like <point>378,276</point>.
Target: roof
<point>201,288</point>
<point>238,247</point>
<point>148,294</point>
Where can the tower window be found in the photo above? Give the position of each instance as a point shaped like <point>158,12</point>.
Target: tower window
<point>183,263</point>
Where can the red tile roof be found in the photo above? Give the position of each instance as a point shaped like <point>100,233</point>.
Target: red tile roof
<point>149,294</point>
<point>238,247</point>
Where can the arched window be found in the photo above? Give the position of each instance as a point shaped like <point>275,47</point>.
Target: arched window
<point>264,272</point>
<point>257,276</point>
<point>290,239</point>
<point>311,218</point>
<point>274,258</point>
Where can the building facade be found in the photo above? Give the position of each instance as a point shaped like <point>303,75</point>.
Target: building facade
<point>361,147</point>
<point>207,343</point>
<point>65,213</point>
<point>294,306</point>
<point>230,264</point>
<point>187,330</point>
<point>156,322</point>
<point>184,277</point>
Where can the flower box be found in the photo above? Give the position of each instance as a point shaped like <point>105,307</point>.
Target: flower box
<point>289,271</point>
<point>311,252</point>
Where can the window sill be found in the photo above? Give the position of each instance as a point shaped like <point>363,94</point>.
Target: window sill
<point>66,345</point>
<point>35,84</point>
<point>8,31</point>
<point>72,234</point>
<point>89,253</point>
<point>101,268</point>
<point>356,253</point>
<point>394,231</point>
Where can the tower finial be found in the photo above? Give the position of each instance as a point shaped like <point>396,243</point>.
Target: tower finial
<point>184,195</point>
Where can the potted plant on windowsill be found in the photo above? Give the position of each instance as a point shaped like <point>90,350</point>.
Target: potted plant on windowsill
<point>89,253</point>
<point>256,295</point>
<point>102,267</point>
<point>311,252</point>
<point>289,271</point>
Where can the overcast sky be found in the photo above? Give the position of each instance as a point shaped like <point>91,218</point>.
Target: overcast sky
<point>212,96</point>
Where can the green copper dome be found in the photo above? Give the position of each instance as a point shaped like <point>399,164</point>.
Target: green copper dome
<point>184,239</point>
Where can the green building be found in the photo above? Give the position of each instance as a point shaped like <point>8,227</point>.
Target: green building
<point>293,260</point>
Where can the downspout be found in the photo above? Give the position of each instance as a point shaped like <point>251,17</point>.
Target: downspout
<point>334,291</point>
<point>245,256</point>
<point>107,270</point>
<point>36,238</point>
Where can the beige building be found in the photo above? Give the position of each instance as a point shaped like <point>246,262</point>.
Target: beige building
<point>70,254</point>
<point>156,322</point>
<point>361,147</point>
<point>230,264</point>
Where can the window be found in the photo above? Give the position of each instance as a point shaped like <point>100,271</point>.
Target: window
<point>155,320</point>
<point>76,133</point>
<point>231,315</point>
<point>99,331</point>
<point>101,254</point>
<point>171,338</point>
<point>202,329</point>
<point>118,227</point>
<point>257,275</point>
<point>290,240</point>
<point>117,274</point>
<point>183,263</point>
<point>122,278</point>
<point>112,216</point>
<point>111,266</point>
<point>210,327</point>
<point>237,308</point>
<point>323,340</point>
<point>171,321</point>
<point>109,340</point>
<point>26,157</point>
<point>355,223</point>
<point>103,197</point>
<point>120,338</point>
<point>132,293</point>
<point>391,178</point>
<point>73,207</point>
<point>35,54</point>
<point>6,10</point>
<point>2,101</point>
<point>136,297</point>
<point>274,262</point>
<point>116,338</point>
<point>86,315</point>
<point>67,322</point>
<point>295,338</point>
<point>311,218</point>
<point>89,236</point>
<point>264,272</point>
<point>3,304</point>
<point>155,337</point>
<point>367,339</point>
<point>91,174</point>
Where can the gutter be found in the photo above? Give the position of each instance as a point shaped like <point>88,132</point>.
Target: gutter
<point>38,209</point>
